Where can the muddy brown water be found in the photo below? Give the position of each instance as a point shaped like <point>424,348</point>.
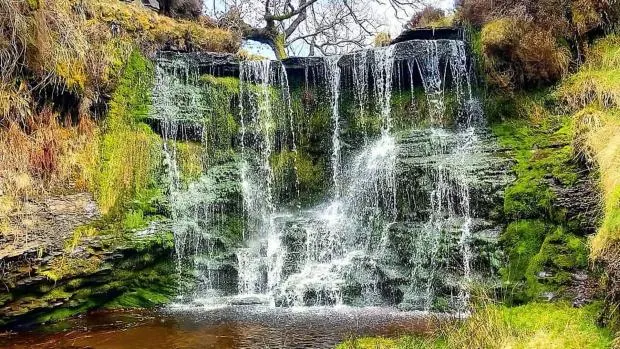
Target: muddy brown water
<point>228,327</point>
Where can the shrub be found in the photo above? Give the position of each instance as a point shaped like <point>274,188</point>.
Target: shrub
<point>382,39</point>
<point>533,43</point>
<point>475,12</point>
<point>188,9</point>
<point>518,54</point>
<point>429,17</point>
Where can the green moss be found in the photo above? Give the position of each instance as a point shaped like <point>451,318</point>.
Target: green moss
<point>130,150</point>
<point>190,160</point>
<point>541,146</point>
<point>221,119</point>
<point>538,237</point>
<point>140,298</point>
<point>134,219</point>
<point>280,46</point>
<point>559,254</point>
<point>64,313</point>
<point>145,277</point>
<point>230,85</point>
<point>521,241</point>
<point>66,266</point>
<point>298,166</point>
<point>557,325</point>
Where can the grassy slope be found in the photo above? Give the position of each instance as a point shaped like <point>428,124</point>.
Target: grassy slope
<point>535,325</point>
<point>62,58</point>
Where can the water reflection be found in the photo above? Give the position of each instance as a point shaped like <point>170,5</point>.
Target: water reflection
<point>231,327</point>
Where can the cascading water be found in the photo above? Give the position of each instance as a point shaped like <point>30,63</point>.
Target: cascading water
<point>449,196</point>
<point>396,223</point>
<point>333,77</point>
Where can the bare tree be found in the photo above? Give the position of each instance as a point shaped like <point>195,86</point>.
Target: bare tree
<point>324,26</point>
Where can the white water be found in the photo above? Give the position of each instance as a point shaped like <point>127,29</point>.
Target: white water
<point>333,77</point>
<point>347,236</point>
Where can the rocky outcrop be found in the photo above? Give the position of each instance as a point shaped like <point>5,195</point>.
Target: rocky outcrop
<point>420,257</point>
<point>56,262</point>
<point>44,225</point>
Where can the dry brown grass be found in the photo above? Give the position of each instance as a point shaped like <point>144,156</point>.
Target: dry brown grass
<point>80,46</point>
<point>74,50</point>
<point>593,94</point>
<point>519,54</point>
<point>598,81</point>
<point>51,157</point>
<point>530,43</point>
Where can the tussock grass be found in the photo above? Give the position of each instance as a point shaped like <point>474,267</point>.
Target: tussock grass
<point>593,95</point>
<point>598,138</point>
<point>78,50</point>
<point>51,157</point>
<point>598,81</point>
<point>535,325</point>
<point>595,92</point>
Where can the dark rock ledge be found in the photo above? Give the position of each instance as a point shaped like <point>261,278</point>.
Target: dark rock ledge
<point>49,272</point>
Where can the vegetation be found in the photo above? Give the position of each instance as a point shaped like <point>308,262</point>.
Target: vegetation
<point>75,87</point>
<point>535,325</point>
<point>528,44</point>
<point>430,17</point>
<point>130,151</point>
<point>591,95</point>
<point>551,132</point>
<point>61,62</point>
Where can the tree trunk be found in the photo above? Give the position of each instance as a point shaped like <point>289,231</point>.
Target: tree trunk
<point>270,36</point>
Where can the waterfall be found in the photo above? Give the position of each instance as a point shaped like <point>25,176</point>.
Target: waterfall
<point>360,85</point>
<point>382,73</point>
<point>196,208</point>
<point>450,195</point>
<point>333,76</point>
<point>353,223</point>
<point>395,224</point>
<point>257,80</point>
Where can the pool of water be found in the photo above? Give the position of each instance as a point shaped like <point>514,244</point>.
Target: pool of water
<point>226,327</point>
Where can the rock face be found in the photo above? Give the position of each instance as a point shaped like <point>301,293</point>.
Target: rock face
<point>408,205</point>
<point>420,257</point>
<point>44,225</point>
<point>51,269</point>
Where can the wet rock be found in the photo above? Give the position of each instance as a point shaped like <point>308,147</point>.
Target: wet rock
<point>548,296</point>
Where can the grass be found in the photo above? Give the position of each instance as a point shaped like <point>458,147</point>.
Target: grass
<point>76,51</point>
<point>599,139</point>
<point>535,325</point>
<point>541,144</point>
<point>594,94</point>
<point>50,158</point>
<point>598,81</point>
<point>156,32</point>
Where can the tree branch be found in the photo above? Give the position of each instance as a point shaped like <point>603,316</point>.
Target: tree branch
<point>291,14</point>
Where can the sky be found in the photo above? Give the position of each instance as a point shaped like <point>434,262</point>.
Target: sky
<point>393,25</point>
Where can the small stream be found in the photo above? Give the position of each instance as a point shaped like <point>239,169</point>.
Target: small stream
<point>224,327</point>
